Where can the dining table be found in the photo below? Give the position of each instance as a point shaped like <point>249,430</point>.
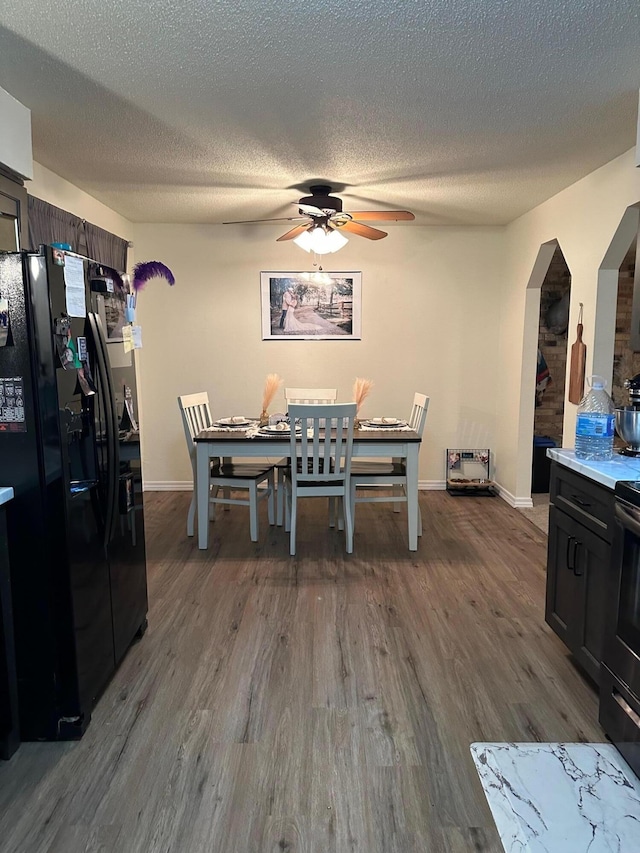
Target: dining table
<point>370,443</point>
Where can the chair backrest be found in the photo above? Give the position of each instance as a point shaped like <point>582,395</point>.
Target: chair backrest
<point>196,416</point>
<point>310,395</point>
<point>419,413</point>
<point>325,445</point>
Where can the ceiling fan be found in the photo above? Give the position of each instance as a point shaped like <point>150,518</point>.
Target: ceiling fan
<point>324,219</point>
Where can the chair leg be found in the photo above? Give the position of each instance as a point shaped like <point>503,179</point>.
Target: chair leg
<point>191,515</point>
<point>404,492</point>
<point>340,509</point>
<point>292,525</point>
<point>280,497</point>
<point>212,507</point>
<point>226,494</point>
<point>348,521</point>
<point>287,507</point>
<point>271,498</point>
<point>332,512</point>
<point>253,512</point>
<point>352,498</point>
<point>397,492</point>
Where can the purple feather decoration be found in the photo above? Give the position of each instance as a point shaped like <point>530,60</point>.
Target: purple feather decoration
<point>143,272</point>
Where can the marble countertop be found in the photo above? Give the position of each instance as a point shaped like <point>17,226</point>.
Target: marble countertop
<point>560,797</point>
<point>605,473</point>
<point>6,493</point>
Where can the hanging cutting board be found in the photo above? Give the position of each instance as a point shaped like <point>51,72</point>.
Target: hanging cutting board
<point>576,371</point>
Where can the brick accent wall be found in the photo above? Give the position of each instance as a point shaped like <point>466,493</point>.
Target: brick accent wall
<point>625,362</point>
<point>549,414</point>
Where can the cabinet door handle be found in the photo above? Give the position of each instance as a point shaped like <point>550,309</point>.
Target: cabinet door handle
<point>568,558</point>
<point>580,502</point>
<point>575,559</point>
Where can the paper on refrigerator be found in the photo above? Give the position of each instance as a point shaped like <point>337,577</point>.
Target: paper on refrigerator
<point>74,287</point>
<point>127,337</point>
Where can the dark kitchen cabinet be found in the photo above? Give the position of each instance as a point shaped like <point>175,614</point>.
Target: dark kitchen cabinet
<point>580,531</point>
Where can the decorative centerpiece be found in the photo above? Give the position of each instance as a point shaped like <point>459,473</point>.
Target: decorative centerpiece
<point>361,388</point>
<point>271,385</point>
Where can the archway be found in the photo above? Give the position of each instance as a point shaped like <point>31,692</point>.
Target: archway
<point>548,421</point>
<point>551,272</point>
<point>608,312</point>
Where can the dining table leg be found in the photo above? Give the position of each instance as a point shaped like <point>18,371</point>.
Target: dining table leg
<point>202,493</point>
<point>412,494</point>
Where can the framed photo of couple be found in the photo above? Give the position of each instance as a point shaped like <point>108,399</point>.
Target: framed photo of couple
<point>311,306</point>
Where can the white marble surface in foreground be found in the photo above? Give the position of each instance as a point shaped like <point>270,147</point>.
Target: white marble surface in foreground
<point>560,797</point>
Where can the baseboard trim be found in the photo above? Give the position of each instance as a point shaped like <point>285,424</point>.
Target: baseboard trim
<point>512,500</point>
<point>167,486</point>
<point>423,485</point>
<point>432,485</point>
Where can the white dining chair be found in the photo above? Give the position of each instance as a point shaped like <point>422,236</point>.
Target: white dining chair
<point>298,395</point>
<point>320,461</point>
<point>230,476</point>
<point>310,395</point>
<point>391,473</point>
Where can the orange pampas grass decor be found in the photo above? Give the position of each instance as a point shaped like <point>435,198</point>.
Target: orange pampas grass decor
<point>271,385</point>
<point>361,388</point>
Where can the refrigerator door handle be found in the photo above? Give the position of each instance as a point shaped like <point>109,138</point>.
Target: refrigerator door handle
<point>115,454</point>
<point>111,425</point>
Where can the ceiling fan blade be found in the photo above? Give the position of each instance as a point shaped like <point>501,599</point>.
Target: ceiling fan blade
<point>290,235</point>
<point>253,221</point>
<point>382,215</point>
<point>309,209</point>
<point>363,230</point>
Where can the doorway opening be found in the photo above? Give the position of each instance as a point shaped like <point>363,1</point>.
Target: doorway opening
<point>626,362</point>
<point>555,296</point>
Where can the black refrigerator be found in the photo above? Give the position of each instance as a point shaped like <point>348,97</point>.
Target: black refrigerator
<point>70,448</point>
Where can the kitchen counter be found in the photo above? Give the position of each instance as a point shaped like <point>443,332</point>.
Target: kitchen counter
<point>6,493</point>
<point>605,473</point>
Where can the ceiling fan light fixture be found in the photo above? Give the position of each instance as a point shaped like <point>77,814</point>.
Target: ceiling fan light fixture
<point>321,240</point>
<point>303,240</point>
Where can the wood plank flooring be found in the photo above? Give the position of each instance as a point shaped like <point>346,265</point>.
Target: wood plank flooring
<point>323,703</point>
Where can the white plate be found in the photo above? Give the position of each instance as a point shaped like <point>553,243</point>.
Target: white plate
<point>272,429</point>
<point>233,422</point>
<point>377,422</point>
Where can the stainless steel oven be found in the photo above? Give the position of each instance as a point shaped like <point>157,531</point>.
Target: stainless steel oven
<point>620,671</point>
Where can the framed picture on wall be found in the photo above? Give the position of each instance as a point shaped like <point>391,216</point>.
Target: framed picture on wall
<point>311,306</point>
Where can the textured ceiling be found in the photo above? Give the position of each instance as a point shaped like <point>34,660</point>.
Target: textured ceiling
<point>467,111</point>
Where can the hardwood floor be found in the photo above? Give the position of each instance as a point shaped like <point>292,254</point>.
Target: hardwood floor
<point>321,703</point>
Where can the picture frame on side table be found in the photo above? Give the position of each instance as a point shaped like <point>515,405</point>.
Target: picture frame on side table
<point>311,306</point>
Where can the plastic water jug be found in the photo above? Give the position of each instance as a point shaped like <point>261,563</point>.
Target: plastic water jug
<point>595,423</point>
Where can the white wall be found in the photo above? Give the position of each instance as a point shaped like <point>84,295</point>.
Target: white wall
<point>429,323</point>
<point>583,219</point>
